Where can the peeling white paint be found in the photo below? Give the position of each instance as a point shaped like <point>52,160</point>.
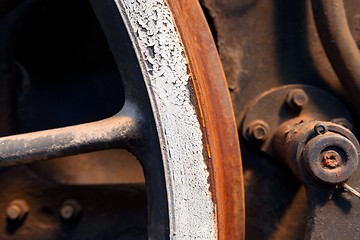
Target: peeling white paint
<point>161,56</point>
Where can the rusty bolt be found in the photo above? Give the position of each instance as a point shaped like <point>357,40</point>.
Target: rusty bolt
<point>17,209</point>
<point>331,159</point>
<point>258,131</point>
<point>70,209</point>
<point>297,99</point>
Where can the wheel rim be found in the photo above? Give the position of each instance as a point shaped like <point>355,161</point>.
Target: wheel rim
<point>202,195</point>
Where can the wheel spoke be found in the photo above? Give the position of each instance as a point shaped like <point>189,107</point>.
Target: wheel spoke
<point>148,151</point>
<point>119,131</point>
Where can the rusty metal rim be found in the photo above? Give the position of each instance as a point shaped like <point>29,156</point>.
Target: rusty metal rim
<point>216,113</point>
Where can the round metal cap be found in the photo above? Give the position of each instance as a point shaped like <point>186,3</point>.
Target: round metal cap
<point>330,158</point>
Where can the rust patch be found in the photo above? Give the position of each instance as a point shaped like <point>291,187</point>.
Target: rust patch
<point>216,113</point>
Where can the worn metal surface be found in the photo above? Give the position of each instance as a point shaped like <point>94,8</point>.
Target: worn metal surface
<point>263,45</point>
<point>95,221</point>
<point>200,164</point>
<point>120,131</point>
<point>301,146</point>
<point>321,154</point>
<point>320,106</point>
<point>216,115</point>
<point>92,138</point>
<point>228,212</point>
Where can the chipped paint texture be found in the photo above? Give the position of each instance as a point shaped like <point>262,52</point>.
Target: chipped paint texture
<point>192,214</point>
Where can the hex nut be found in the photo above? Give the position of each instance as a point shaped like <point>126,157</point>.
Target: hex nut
<point>297,99</point>
<point>258,131</point>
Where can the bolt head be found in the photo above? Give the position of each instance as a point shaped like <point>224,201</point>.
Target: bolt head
<point>13,212</point>
<point>258,131</point>
<point>17,209</point>
<point>297,99</point>
<point>67,211</point>
<point>70,209</point>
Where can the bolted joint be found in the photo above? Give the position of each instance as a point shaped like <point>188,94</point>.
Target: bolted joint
<point>257,131</point>
<point>297,99</point>
<point>317,151</point>
<point>330,158</point>
<point>17,210</point>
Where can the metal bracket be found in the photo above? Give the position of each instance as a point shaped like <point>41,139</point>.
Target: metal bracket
<point>278,105</point>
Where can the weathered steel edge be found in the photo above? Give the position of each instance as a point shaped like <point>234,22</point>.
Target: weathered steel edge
<point>156,42</point>
<point>215,107</point>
